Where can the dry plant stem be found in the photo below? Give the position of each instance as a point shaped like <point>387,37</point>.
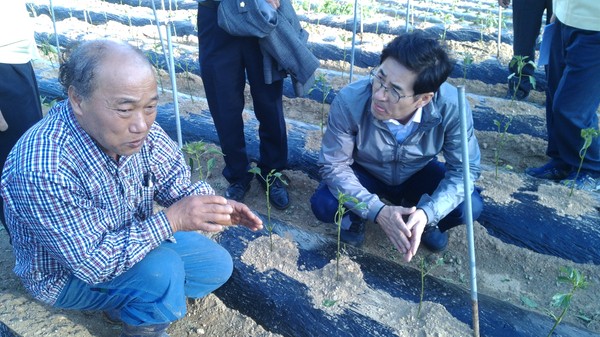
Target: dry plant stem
<point>422,286</point>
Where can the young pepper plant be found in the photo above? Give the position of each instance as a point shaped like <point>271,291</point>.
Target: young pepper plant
<point>339,215</point>
<point>269,180</point>
<point>426,268</point>
<point>197,151</point>
<point>563,300</point>
<point>520,62</point>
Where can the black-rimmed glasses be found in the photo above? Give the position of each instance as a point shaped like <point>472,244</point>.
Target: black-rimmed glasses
<point>377,82</point>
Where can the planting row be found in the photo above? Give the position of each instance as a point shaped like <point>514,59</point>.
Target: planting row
<point>128,19</point>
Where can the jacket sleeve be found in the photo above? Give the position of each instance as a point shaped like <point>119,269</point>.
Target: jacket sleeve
<point>336,157</point>
<point>450,192</point>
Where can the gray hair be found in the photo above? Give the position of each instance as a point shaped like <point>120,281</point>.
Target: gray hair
<point>80,67</point>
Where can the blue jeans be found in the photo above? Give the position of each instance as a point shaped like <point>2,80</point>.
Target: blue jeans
<point>573,95</point>
<point>324,204</point>
<point>154,290</point>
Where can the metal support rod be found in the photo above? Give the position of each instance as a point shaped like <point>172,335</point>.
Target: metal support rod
<point>407,15</point>
<point>468,186</point>
<point>353,42</point>
<point>499,31</point>
<point>174,83</point>
<point>55,31</point>
<point>160,38</point>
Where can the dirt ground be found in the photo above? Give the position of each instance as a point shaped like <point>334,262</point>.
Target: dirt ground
<point>504,271</point>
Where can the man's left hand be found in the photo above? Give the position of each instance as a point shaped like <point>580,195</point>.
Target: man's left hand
<point>242,215</point>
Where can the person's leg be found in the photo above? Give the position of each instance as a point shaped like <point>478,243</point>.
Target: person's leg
<point>527,21</point>
<point>207,264</point>
<point>426,181</point>
<point>20,106</point>
<point>267,100</point>
<point>153,291</point>
<point>223,75</point>
<point>324,204</point>
<point>577,97</point>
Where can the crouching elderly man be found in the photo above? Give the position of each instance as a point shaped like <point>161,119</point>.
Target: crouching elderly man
<point>382,141</point>
<point>79,188</point>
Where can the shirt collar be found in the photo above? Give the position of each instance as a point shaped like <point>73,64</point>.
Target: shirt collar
<point>416,118</point>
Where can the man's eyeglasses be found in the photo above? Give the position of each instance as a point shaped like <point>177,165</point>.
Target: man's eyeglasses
<point>378,83</point>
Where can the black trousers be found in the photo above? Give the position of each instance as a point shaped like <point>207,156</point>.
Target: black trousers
<point>20,106</point>
<point>527,22</point>
<point>226,62</point>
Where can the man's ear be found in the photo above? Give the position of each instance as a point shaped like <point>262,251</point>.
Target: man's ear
<point>75,99</point>
<point>424,99</point>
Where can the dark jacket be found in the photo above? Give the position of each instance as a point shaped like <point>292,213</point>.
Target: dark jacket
<point>282,40</point>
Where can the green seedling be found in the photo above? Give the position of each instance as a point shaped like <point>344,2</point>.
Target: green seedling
<point>520,62</point>
<point>563,300</point>
<point>502,128</point>
<point>426,268</point>
<point>343,199</point>
<point>467,62</point>
<point>188,78</point>
<point>198,153</point>
<point>588,135</point>
<point>269,180</point>
<point>321,84</point>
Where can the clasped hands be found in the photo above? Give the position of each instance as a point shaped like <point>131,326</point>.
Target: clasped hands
<point>210,213</point>
<point>404,234</point>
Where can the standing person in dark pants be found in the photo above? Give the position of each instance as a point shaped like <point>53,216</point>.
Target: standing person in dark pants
<point>20,106</point>
<point>573,95</point>
<point>527,21</point>
<point>226,62</point>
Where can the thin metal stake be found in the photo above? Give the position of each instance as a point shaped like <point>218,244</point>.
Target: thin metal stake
<point>499,31</point>
<point>353,43</point>
<point>174,83</point>
<point>55,31</point>
<point>468,205</point>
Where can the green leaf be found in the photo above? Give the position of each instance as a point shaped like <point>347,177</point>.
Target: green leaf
<point>328,303</point>
<point>528,302</point>
<point>561,300</point>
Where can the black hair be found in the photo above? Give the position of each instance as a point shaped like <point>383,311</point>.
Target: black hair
<point>423,55</point>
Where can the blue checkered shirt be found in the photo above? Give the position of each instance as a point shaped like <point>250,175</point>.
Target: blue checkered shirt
<point>73,210</point>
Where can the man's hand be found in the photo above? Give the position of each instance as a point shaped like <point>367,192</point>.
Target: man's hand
<point>242,215</point>
<point>417,222</point>
<point>405,236</point>
<point>504,3</point>
<point>209,213</point>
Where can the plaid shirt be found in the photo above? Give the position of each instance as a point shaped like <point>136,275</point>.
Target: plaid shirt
<point>73,210</point>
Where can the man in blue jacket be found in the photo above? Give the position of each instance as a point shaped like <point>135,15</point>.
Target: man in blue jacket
<point>382,142</point>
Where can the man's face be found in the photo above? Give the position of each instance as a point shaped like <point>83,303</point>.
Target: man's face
<point>393,96</point>
<point>120,111</point>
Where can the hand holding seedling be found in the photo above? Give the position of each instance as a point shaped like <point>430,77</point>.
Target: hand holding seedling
<point>404,235</point>
<point>209,213</point>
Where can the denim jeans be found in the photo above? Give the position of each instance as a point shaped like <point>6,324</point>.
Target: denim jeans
<point>573,95</point>
<point>324,204</point>
<point>154,290</point>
